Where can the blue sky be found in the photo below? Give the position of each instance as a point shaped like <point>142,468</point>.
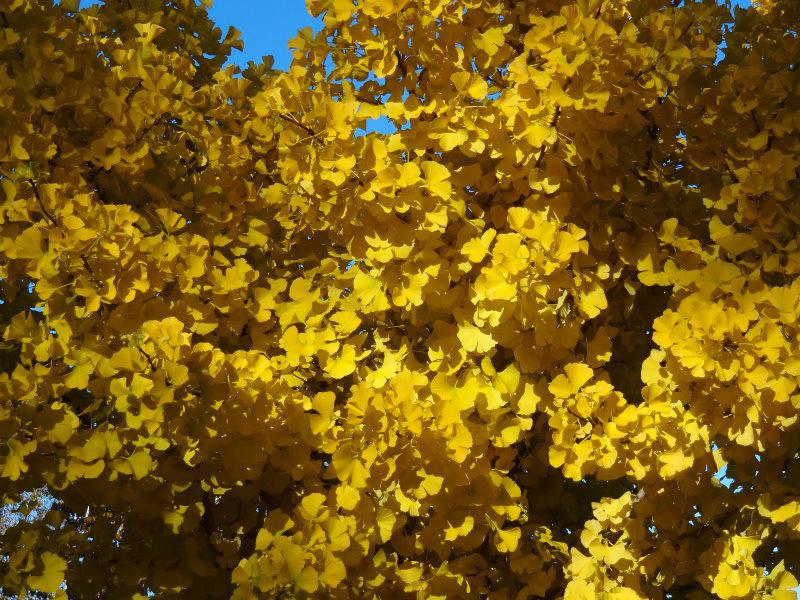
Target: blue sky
<point>266,27</point>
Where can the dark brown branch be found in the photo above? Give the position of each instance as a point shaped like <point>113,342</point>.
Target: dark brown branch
<point>43,207</point>
<point>755,121</point>
<point>293,121</point>
<point>599,9</point>
<point>149,360</point>
<point>553,123</point>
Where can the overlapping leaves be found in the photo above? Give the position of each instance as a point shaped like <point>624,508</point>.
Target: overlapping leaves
<point>500,352</point>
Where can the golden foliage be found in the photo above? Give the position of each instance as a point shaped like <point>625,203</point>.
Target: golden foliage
<point>501,352</point>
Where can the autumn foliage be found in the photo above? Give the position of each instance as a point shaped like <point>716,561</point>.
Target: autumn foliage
<point>542,341</point>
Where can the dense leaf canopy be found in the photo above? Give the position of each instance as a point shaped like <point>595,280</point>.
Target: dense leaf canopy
<point>505,352</point>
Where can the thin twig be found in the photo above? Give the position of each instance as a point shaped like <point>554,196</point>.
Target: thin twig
<point>291,119</point>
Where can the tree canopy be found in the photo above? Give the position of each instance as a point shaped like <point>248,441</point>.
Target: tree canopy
<point>540,341</point>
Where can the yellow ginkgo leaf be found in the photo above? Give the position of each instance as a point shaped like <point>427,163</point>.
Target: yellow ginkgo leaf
<point>311,506</point>
<point>140,463</point>
<point>673,462</point>
<point>385,519</point>
<point>409,174</point>
<point>577,374</point>
<point>343,364</point>
<point>367,290</point>
<point>473,339</point>
<point>727,237</point>
<point>453,532</point>
<point>437,179</point>
<point>14,463</point>
<point>347,496</point>
<point>345,322</point>
<point>491,40</point>
<point>528,401</point>
<point>452,139</point>
<point>470,83</point>
<point>593,302</point>
<point>307,581</point>
<point>52,575</point>
<point>333,572</point>
<point>29,244</point>
<point>16,149</point>
<point>323,403</point>
<point>507,540</point>
<point>476,249</point>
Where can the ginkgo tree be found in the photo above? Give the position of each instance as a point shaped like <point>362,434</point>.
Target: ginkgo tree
<point>505,351</point>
